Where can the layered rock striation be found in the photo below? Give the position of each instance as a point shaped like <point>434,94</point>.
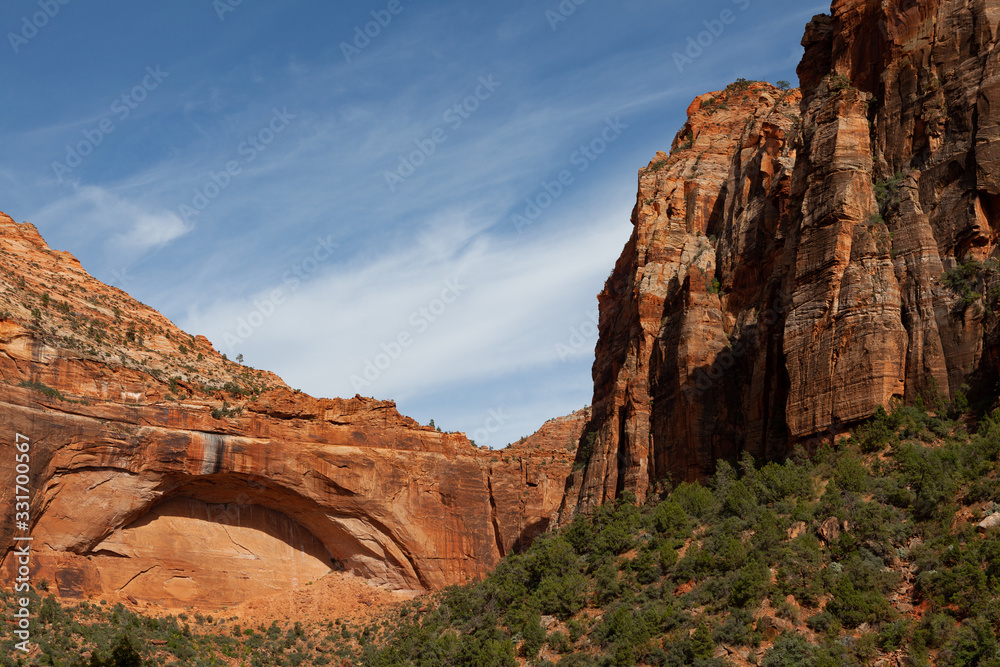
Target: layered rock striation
<point>802,257</point>
<point>666,398</point>
<point>163,471</point>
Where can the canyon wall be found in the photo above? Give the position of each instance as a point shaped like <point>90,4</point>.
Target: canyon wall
<point>786,274</point>
<point>163,471</point>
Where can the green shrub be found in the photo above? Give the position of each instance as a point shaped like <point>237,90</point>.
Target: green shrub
<point>46,390</point>
<point>854,606</point>
<point>527,623</point>
<point>825,623</point>
<point>559,642</point>
<point>736,630</point>
<point>614,526</point>
<point>852,475</point>
<point>798,571</point>
<point>879,432</point>
<point>740,85</point>
<point>958,406</point>
<point>750,584</point>
<point>892,636</point>
<point>970,279</point>
<point>737,500</point>
<point>123,654</point>
<point>887,191</point>
<point>696,500</point>
<point>790,650</point>
<point>607,586</point>
<point>702,644</point>
<point>865,647</point>
<point>975,643</point>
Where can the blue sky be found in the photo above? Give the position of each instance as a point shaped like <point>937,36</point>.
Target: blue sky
<point>345,216</point>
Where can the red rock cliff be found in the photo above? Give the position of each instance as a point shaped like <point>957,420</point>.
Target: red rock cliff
<point>163,471</point>
<point>784,276</point>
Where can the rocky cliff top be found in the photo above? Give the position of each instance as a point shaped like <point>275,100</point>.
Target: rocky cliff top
<point>50,303</point>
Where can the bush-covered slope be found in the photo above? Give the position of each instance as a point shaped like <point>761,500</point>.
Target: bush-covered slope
<point>868,550</point>
<point>880,547</point>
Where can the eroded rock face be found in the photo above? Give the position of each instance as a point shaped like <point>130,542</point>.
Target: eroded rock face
<point>784,277</point>
<point>702,212</point>
<point>529,480</point>
<point>180,477</point>
<point>188,550</point>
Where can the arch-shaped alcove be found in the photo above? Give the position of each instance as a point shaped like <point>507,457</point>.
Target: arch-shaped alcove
<point>228,537</point>
<point>186,550</point>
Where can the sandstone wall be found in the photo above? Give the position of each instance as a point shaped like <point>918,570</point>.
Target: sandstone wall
<point>784,277</point>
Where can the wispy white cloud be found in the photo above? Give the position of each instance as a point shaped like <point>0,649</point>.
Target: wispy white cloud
<point>384,328</point>
<point>150,231</point>
<point>129,228</point>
